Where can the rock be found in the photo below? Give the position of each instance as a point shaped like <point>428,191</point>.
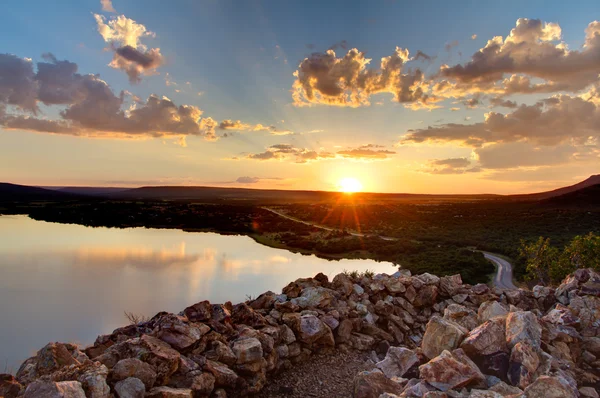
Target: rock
<point>486,346</point>
<point>315,297</point>
<point>199,312</point>
<point>247,350</point>
<point>178,332</point>
<point>49,359</point>
<point>223,375</point>
<point>9,386</point>
<point>523,326</point>
<point>344,331</point>
<point>426,296</point>
<point>486,339</point>
<point>504,389</point>
<point>441,334</point>
<point>592,344</point>
<point>371,384</point>
<point>523,363</point>
<point>394,285</point>
<point>221,352</point>
<point>588,392</point>
<point>550,387</point>
<point>203,385</point>
<point>587,308</point>
<point>465,317</point>
<point>475,393</point>
<point>361,342</point>
<point>134,368</point>
<point>92,377</point>
<point>451,370</point>
<point>490,309</point>
<point>130,388</point>
<point>421,389</point>
<point>48,389</point>
<point>158,354</point>
<point>243,314</point>
<point>311,330</point>
<point>287,335</point>
<point>450,285</point>
<point>561,315</point>
<point>264,301</point>
<point>168,392</point>
<point>343,284</point>
<point>397,362</point>
<point>427,279</point>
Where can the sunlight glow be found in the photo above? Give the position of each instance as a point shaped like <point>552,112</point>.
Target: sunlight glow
<point>349,185</point>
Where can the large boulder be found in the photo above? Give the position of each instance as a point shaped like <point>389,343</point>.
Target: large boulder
<point>524,361</point>
<point>465,317</point>
<point>451,370</point>
<point>9,386</point>
<point>247,350</point>
<point>49,359</point>
<point>134,368</point>
<point>394,285</point>
<point>315,297</point>
<point>450,285</point>
<point>426,296</point>
<point>48,389</point>
<point>130,388</point>
<point>486,346</point>
<point>397,362</point>
<point>523,326</point>
<point>178,332</point>
<point>490,309</point>
<point>550,387</point>
<point>158,354</point>
<point>441,334</point>
<point>343,284</point>
<point>311,330</point>
<point>371,384</point>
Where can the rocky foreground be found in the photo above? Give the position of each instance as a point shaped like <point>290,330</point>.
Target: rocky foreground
<point>427,337</point>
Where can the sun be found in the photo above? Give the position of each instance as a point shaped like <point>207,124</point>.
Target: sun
<point>350,185</point>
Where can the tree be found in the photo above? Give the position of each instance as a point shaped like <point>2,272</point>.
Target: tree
<point>540,258</point>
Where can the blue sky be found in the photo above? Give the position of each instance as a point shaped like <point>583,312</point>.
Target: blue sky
<point>235,60</point>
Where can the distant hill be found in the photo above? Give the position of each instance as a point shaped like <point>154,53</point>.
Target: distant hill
<point>14,192</point>
<point>91,191</point>
<point>593,180</point>
<point>582,198</point>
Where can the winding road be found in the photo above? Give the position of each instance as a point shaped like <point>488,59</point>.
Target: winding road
<point>503,278</point>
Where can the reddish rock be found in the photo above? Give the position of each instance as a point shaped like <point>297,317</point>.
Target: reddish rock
<point>451,370</point>
<point>441,334</point>
<point>371,384</point>
<point>133,367</point>
<point>9,386</point>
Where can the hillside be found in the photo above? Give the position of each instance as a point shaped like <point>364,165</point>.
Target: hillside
<point>584,197</point>
<point>14,192</point>
<point>592,180</point>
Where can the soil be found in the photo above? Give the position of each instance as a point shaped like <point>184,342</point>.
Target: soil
<point>326,376</point>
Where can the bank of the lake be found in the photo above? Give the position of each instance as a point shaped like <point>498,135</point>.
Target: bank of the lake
<point>68,282</point>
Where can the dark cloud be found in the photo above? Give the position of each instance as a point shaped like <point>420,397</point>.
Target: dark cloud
<point>451,166</point>
<point>496,102</point>
<point>369,151</point>
<point>124,36</point>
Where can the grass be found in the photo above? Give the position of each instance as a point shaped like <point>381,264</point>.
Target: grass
<point>136,319</point>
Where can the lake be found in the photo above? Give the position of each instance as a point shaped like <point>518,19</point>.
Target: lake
<point>70,283</point>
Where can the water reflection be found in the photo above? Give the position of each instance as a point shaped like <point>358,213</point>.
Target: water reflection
<point>70,283</point>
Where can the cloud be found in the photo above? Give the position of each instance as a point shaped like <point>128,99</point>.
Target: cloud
<point>497,101</point>
<point>237,125</point>
<point>473,37</point>
<point>90,107</point>
<point>288,151</point>
<point>451,166</point>
<point>323,78</point>
<point>533,49</point>
<point>552,121</point>
<point>451,45</point>
<point>107,6</point>
<point>369,151</point>
<point>124,36</point>
<point>254,180</point>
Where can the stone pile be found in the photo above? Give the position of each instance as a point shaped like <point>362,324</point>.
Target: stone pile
<point>429,337</point>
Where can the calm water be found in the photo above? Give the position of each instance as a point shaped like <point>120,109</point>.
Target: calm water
<point>63,282</point>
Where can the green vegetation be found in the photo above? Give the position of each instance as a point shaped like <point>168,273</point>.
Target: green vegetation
<point>547,264</point>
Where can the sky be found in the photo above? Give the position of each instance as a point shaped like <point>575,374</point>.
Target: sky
<point>426,97</point>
